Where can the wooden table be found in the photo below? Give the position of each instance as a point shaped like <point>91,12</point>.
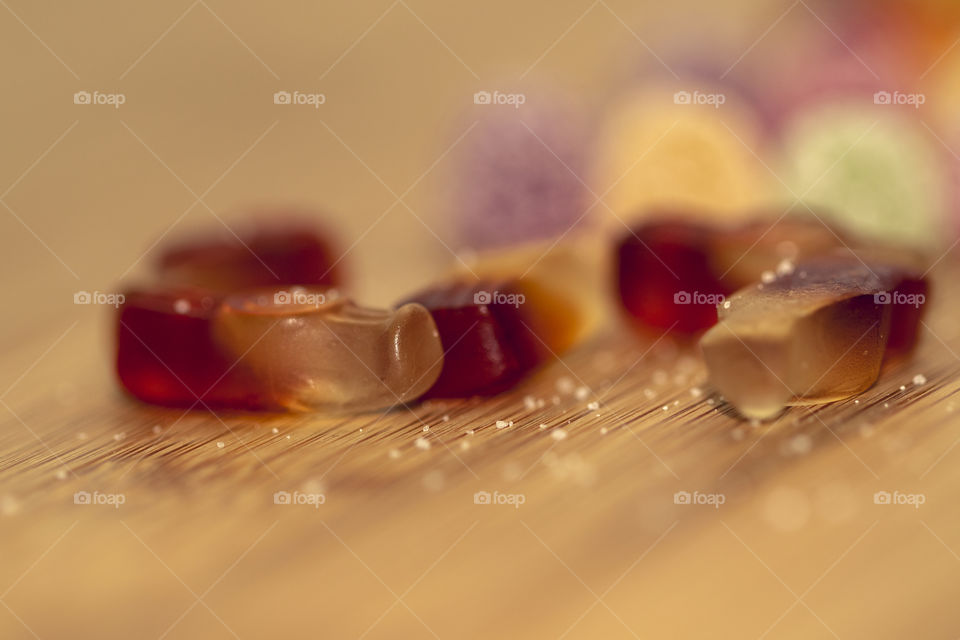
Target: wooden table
<point>585,536</point>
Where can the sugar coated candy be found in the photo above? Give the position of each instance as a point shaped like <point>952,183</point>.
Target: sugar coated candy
<point>879,174</point>
<point>665,149</point>
<point>517,179</point>
<point>311,349</point>
<point>816,334</point>
<point>166,354</point>
<point>263,253</point>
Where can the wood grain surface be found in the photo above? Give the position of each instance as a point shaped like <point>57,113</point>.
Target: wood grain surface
<point>588,541</point>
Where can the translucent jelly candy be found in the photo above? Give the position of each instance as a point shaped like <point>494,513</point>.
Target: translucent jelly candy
<point>566,283</point>
<point>817,334</point>
<point>311,350</point>
<point>743,253</point>
<point>674,273</point>
<point>266,253</point>
<point>479,356</point>
<point>501,313</point>
<point>665,276</point>
<point>166,356</point>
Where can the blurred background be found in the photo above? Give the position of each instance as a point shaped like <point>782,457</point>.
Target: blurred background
<point>393,144</point>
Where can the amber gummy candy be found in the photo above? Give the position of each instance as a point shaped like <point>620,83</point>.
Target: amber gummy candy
<point>166,354</point>
<point>672,274</point>
<point>265,253</point>
<point>311,349</point>
<point>493,334</point>
<point>816,334</point>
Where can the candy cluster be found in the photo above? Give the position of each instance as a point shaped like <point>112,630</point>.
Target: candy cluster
<point>795,313</point>
<point>792,315</point>
<point>255,322</point>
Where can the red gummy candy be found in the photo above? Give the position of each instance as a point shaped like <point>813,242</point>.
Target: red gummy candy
<point>267,254</point>
<point>673,273</point>
<point>166,355</point>
<point>665,276</point>
<point>487,338</point>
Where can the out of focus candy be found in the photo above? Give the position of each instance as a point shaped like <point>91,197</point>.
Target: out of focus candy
<point>570,276</point>
<point>166,354</point>
<point>665,150</point>
<point>520,178</point>
<point>874,172</point>
<point>265,253</point>
<point>672,273</point>
<point>494,333</point>
<point>501,313</point>
<point>816,334</point>
<point>311,350</point>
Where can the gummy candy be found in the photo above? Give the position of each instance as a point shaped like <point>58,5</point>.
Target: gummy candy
<point>311,349</point>
<point>665,277</point>
<point>166,355</point>
<point>265,253</point>
<point>494,333</point>
<point>479,355</point>
<point>501,313</point>
<point>879,174</point>
<point>816,334</point>
<point>672,273</point>
<point>567,282</point>
<point>518,179</point>
<point>661,149</point>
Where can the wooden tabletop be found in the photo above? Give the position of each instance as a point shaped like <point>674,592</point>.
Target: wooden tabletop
<point>585,534</point>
